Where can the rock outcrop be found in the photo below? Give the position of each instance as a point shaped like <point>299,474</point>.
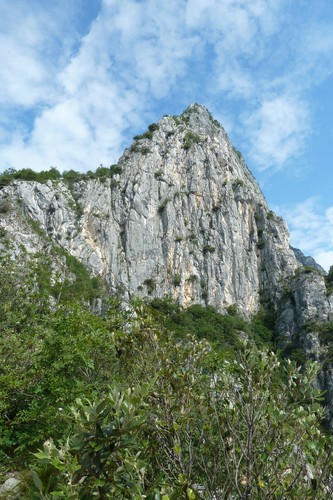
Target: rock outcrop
<point>180,216</point>
<point>308,261</point>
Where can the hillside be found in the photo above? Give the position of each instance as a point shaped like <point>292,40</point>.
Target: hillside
<point>165,271</point>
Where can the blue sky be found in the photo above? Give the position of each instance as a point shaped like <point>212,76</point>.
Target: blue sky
<point>79,78</point>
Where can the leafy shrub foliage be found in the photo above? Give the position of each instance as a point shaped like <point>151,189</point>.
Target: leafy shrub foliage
<point>69,176</point>
<point>137,403</point>
<point>190,139</point>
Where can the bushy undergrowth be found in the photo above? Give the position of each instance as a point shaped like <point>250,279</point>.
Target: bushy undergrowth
<point>225,331</point>
<point>137,403</point>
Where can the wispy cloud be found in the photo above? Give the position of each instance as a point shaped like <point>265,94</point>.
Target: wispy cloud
<point>311,229</point>
<point>277,130</point>
<point>72,88</point>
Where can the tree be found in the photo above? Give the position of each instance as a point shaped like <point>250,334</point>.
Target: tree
<point>268,442</point>
<point>247,428</point>
<point>104,457</point>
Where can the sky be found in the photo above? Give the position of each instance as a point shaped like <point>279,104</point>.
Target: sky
<point>80,78</point>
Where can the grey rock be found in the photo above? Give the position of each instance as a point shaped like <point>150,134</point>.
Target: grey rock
<point>184,206</point>
<point>10,488</point>
<point>307,260</point>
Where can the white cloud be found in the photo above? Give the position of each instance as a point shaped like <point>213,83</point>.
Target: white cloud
<point>311,229</point>
<point>131,55</point>
<point>34,43</point>
<point>278,130</point>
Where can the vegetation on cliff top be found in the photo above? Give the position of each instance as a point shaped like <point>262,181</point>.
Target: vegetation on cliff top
<point>68,176</point>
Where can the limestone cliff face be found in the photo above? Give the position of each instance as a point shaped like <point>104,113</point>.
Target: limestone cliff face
<point>180,216</point>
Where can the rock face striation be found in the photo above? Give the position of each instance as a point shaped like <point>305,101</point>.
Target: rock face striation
<point>179,215</point>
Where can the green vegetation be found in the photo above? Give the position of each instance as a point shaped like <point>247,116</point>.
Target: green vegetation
<point>27,174</point>
<point>177,279</point>
<point>135,148</point>
<point>158,174</point>
<point>68,176</point>
<point>208,249</point>
<point>329,281</point>
<point>149,401</point>
<point>145,151</point>
<point>163,205</point>
<point>177,119</point>
<point>238,154</point>
<point>206,323</point>
<point>306,270</point>
<point>150,284</point>
<point>50,350</point>
<point>78,283</point>
<point>149,134</point>
<point>190,139</point>
<point>237,183</point>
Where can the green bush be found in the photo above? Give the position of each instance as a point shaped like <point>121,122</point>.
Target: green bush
<point>163,205</point>
<point>150,284</point>
<point>190,139</point>
<point>4,206</point>
<point>149,134</point>
<point>177,280</point>
<point>208,249</point>
<point>103,456</point>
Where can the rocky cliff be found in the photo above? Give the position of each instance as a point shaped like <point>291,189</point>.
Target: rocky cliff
<point>179,215</point>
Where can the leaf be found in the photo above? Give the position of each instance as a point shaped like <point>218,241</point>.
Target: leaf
<point>177,449</point>
<point>37,481</point>
<point>190,494</point>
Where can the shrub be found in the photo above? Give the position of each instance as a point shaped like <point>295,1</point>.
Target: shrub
<point>149,134</point>
<point>190,139</point>
<point>163,205</point>
<point>150,284</point>
<point>158,174</point>
<point>177,280</point>
<point>103,456</point>
<point>4,206</point>
<point>153,127</point>
<point>232,310</point>
<point>208,249</point>
<point>237,183</point>
<point>115,170</point>
<point>145,151</point>
<point>238,154</point>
